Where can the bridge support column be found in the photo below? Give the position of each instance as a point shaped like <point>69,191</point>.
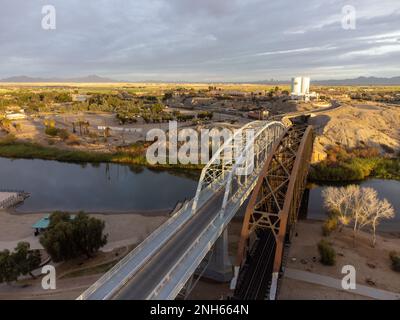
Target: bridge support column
<point>220,266</point>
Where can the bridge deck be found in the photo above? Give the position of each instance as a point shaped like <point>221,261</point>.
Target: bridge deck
<point>142,283</point>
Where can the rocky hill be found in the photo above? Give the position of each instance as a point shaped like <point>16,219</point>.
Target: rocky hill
<point>358,125</point>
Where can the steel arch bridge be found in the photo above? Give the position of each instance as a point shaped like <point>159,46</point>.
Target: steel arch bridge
<point>166,261</point>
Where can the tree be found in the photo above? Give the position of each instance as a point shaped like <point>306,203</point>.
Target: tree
<point>26,260</point>
<point>8,272</point>
<point>360,205</point>
<point>68,238</point>
<point>167,95</point>
<point>20,262</point>
<point>337,201</point>
<point>58,240</point>
<point>88,234</point>
<point>374,211</point>
<point>382,210</point>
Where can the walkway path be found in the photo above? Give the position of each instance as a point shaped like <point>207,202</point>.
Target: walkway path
<point>336,284</point>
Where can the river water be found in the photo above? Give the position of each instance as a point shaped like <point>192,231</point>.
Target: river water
<point>97,188</point>
<point>389,189</point>
<point>120,188</point>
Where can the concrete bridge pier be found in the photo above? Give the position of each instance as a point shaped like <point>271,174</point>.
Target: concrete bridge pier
<point>220,266</point>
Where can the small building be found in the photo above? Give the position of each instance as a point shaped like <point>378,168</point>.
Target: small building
<point>43,223</point>
<point>80,97</point>
<point>15,114</point>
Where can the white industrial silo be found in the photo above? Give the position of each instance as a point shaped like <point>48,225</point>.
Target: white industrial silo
<point>305,85</point>
<point>296,86</point>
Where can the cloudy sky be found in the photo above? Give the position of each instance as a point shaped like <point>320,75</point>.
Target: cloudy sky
<point>200,40</point>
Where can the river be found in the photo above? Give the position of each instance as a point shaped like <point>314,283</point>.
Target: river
<point>94,187</point>
<point>120,188</point>
<point>389,189</point>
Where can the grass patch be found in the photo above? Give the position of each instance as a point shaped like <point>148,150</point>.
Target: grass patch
<point>133,155</point>
<point>28,150</point>
<point>101,268</point>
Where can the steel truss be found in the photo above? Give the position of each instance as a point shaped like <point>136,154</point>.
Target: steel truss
<point>276,199</point>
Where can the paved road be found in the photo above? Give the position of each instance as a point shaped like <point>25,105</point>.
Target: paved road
<point>337,284</point>
<point>142,283</point>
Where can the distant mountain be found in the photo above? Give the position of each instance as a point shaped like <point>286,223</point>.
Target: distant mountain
<point>360,81</point>
<point>90,78</point>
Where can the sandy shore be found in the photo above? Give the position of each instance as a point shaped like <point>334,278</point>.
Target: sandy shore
<point>373,265</point>
<point>124,231</point>
<point>122,228</point>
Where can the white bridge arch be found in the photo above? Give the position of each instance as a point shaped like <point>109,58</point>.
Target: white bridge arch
<point>245,151</point>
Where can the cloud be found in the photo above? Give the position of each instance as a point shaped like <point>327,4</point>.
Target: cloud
<point>196,40</point>
<point>374,51</point>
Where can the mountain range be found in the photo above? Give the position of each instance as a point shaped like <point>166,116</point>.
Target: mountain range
<point>360,81</point>
<point>87,79</point>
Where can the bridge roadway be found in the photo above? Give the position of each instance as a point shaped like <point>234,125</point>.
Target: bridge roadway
<point>141,284</point>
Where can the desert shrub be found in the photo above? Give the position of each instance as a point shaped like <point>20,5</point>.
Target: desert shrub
<point>93,135</point>
<point>329,226</point>
<point>51,131</point>
<point>72,140</point>
<point>63,134</point>
<point>327,253</point>
<point>395,257</point>
<point>8,139</point>
<point>365,152</point>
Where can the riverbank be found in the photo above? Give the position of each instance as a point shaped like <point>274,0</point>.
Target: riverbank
<point>373,265</point>
<point>133,155</point>
<point>355,169</point>
<point>123,229</point>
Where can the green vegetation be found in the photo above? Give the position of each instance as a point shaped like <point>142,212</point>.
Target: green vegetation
<point>20,262</point>
<point>329,226</point>
<point>134,154</point>
<point>56,132</point>
<point>327,253</point>
<point>68,238</point>
<point>10,148</point>
<point>395,258</point>
<point>355,164</point>
<point>101,268</point>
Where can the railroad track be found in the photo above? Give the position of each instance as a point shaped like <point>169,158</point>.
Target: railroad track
<point>256,276</point>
